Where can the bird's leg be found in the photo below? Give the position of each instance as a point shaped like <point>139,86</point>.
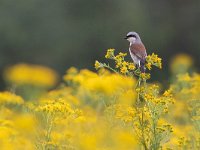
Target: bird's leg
<point>139,64</point>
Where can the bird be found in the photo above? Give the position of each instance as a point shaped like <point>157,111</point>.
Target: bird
<point>137,50</point>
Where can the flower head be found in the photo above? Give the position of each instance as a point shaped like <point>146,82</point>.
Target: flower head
<point>131,66</point>
<point>181,63</point>
<point>97,65</point>
<point>10,98</point>
<point>25,74</point>
<point>145,76</point>
<point>124,70</point>
<point>153,59</point>
<point>110,53</point>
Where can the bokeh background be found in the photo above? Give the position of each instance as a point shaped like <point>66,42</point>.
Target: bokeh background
<point>66,33</point>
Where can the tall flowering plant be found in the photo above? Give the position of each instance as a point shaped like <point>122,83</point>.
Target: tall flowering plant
<point>146,115</point>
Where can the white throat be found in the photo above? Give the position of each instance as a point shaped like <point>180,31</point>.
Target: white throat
<point>131,40</point>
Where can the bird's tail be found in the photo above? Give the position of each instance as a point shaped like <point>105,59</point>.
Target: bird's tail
<point>142,66</point>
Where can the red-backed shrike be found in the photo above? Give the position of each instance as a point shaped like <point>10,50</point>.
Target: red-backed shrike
<point>137,50</point>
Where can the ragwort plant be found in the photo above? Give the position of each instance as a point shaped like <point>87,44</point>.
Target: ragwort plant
<point>51,112</point>
<point>145,116</point>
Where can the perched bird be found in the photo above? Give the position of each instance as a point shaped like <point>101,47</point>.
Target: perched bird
<point>137,50</point>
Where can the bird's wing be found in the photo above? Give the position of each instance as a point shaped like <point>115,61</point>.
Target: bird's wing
<point>139,50</point>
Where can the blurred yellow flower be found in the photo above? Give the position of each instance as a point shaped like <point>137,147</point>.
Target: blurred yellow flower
<point>70,73</point>
<point>124,140</point>
<point>25,74</point>
<point>108,84</point>
<point>62,93</point>
<point>125,113</point>
<point>181,63</point>
<point>10,98</point>
<point>128,97</point>
<point>26,124</point>
<point>184,78</point>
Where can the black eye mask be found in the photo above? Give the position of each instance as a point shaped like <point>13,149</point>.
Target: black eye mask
<point>130,36</point>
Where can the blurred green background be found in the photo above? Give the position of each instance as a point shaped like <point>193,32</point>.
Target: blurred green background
<point>66,33</point>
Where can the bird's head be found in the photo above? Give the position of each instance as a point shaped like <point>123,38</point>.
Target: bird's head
<point>132,37</point>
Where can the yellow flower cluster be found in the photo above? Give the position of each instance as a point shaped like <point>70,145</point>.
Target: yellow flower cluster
<point>54,106</point>
<point>124,66</point>
<point>145,76</point>
<point>70,73</point>
<point>128,68</point>
<point>107,84</point>
<point>121,65</point>
<point>17,135</point>
<point>152,98</point>
<point>64,93</point>
<point>125,113</point>
<point>189,86</point>
<point>10,98</point>
<point>104,111</point>
<point>181,63</point>
<point>110,53</point>
<point>153,59</point>
<point>97,65</point>
<point>36,75</point>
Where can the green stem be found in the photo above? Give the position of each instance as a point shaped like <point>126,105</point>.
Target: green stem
<point>107,66</point>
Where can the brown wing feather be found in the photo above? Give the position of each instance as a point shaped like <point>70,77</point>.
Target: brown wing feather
<point>139,50</point>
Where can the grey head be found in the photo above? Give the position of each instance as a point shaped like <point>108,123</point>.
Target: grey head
<point>133,37</point>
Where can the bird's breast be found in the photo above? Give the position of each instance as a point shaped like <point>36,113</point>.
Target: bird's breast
<point>134,57</point>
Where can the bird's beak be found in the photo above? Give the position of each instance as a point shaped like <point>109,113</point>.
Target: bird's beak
<point>126,38</point>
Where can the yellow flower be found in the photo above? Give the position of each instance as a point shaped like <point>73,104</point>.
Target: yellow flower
<point>107,84</point>
<point>123,70</point>
<point>181,63</point>
<point>127,97</point>
<point>184,77</point>
<point>10,98</point>
<point>70,73</point>
<point>25,74</point>
<point>152,96</point>
<point>153,59</point>
<point>119,60</point>
<point>167,93</point>
<point>124,140</point>
<point>72,70</point>
<point>124,63</point>
<point>25,124</point>
<point>110,53</point>
<point>148,65</point>
<point>118,63</point>
<point>97,65</point>
<point>54,106</point>
<point>145,76</point>
<point>131,66</point>
<point>121,55</point>
<point>125,113</point>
